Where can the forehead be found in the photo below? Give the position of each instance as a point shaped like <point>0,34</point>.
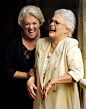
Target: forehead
<point>59,18</point>
<point>30,18</point>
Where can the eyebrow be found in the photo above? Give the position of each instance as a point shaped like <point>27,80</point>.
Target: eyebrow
<point>29,22</point>
<point>56,20</point>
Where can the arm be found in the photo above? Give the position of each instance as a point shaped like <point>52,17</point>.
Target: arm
<point>63,79</point>
<point>7,59</point>
<point>60,80</point>
<point>9,64</point>
<point>24,75</point>
<point>20,75</point>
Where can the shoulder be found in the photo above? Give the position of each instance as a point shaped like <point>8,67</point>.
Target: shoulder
<point>44,40</point>
<point>14,38</point>
<point>71,41</point>
<point>13,42</point>
<point>71,44</point>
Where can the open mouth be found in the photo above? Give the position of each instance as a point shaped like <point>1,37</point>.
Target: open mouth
<point>31,31</point>
<point>53,30</point>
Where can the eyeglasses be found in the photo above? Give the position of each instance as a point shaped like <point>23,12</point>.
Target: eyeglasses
<point>56,22</point>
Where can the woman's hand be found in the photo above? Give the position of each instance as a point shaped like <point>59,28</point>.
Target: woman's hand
<point>31,86</point>
<point>46,90</point>
<point>31,72</point>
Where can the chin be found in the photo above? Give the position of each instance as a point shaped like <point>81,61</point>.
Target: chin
<point>32,37</point>
<point>50,35</point>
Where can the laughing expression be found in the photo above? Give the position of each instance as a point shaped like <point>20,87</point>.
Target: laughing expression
<point>30,25</point>
<point>57,27</point>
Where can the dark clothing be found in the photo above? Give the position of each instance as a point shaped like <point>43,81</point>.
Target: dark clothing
<point>14,59</point>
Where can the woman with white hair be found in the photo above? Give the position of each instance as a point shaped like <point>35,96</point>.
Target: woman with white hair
<point>18,58</point>
<point>58,64</point>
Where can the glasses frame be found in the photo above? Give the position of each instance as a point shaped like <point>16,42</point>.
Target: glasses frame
<point>55,22</point>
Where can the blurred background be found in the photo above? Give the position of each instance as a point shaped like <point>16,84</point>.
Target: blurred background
<point>9,10</point>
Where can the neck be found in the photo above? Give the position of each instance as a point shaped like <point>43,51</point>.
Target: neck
<point>30,43</point>
<point>55,42</point>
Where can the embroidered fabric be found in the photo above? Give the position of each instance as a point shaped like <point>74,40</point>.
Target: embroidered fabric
<point>29,58</point>
<point>27,53</point>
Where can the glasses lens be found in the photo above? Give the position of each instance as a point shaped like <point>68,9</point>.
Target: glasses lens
<point>51,21</point>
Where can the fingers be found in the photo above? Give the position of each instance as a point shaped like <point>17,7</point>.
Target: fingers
<point>35,87</point>
<point>32,95</point>
<point>44,94</point>
<point>46,91</point>
<point>31,92</point>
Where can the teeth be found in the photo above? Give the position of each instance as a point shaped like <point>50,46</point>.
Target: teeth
<point>31,31</point>
<point>52,29</point>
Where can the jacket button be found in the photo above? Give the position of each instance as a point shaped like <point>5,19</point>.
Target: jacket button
<point>55,68</point>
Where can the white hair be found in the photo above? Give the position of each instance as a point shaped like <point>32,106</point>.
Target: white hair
<point>32,10</point>
<point>70,19</point>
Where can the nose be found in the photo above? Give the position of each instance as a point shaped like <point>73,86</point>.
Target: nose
<point>31,26</point>
<point>52,23</point>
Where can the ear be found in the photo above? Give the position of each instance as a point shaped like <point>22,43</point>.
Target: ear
<point>67,30</point>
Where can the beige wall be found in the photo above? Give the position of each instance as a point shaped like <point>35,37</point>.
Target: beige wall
<point>82,44</point>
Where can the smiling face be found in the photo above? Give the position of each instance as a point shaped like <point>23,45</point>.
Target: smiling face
<point>57,27</point>
<point>31,25</point>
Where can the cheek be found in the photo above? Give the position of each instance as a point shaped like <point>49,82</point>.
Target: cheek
<point>37,27</point>
<point>59,30</point>
<point>25,27</point>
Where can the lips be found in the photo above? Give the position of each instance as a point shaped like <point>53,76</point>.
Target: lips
<point>31,32</point>
<point>52,29</point>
